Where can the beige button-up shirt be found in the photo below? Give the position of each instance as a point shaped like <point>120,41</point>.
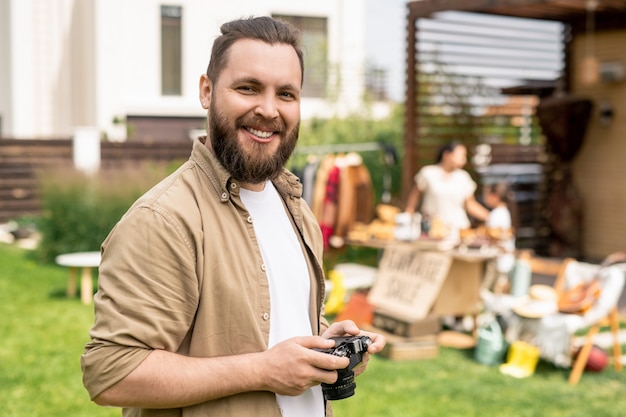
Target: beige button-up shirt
<point>181,271</point>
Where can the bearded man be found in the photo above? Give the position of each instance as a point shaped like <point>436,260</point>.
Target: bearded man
<point>211,286</point>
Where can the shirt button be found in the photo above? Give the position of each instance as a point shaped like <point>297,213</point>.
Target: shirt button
<point>266,316</point>
<point>224,196</point>
<point>263,268</point>
<point>233,185</point>
<point>250,219</point>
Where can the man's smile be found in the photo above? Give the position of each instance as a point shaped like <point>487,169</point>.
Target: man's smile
<point>263,134</point>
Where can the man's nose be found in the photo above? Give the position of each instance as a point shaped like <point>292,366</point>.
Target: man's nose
<point>267,106</point>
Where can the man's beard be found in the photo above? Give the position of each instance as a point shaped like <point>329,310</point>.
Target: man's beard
<point>256,165</point>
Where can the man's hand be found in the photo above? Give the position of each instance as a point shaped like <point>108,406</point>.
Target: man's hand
<point>292,366</point>
<point>349,328</point>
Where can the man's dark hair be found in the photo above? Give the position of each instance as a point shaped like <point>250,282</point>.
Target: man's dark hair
<point>266,29</point>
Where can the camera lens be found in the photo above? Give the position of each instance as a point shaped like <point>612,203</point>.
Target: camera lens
<point>343,388</point>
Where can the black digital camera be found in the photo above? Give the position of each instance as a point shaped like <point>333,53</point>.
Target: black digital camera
<point>353,348</point>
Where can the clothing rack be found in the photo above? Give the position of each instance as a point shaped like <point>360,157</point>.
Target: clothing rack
<point>340,148</point>
<point>389,151</point>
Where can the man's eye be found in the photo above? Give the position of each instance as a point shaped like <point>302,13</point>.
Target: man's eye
<point>245,89</point>
<point>287,95</point>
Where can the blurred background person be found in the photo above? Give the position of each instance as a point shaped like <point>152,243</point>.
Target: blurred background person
<point>500,226</point>
<point>444,192</point>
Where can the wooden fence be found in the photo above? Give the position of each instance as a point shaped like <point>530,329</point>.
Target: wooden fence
<point>22,159</point>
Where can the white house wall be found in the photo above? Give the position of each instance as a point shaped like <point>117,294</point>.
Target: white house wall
<point>83,62</point>
<point>5,65</point>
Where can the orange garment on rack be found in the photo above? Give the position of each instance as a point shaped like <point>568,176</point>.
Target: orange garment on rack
<point>355,201</point>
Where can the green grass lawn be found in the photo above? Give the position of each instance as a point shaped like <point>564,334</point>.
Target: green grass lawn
<point>43,334</point>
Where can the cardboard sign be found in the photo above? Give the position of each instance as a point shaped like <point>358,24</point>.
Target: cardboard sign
<point>409,281</point>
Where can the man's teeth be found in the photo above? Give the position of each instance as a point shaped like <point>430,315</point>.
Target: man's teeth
<point>260,133</point>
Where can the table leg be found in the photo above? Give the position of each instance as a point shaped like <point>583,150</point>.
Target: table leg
<point>86,286</point>
<point>71,283</point>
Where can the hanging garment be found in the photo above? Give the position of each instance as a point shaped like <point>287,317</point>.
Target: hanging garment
<point>356,196</point>
<point>319,188</point>
<point>329,207</point>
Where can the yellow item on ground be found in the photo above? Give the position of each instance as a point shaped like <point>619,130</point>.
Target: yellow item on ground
<point>335,301</point>
<point>522,359</point>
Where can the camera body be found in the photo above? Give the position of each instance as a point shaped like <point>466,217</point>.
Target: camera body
<point>352,347</point>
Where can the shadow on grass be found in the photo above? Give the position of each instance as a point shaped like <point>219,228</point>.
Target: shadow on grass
<point>60,293</point>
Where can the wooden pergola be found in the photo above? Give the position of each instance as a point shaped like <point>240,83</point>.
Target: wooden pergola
<point>609,14</point>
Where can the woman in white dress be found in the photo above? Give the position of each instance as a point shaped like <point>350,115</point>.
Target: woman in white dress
<point>446,191</point>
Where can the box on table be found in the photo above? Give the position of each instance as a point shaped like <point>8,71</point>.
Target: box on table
<point>408,348</point>
<point>413,284</point>
<point>407,327</point>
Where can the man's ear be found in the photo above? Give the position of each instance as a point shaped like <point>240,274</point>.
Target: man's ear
<point>205,89</point>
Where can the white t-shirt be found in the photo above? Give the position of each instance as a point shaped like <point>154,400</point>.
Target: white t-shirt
<point>500,218</point>
<point>289,284</point>
<point>444,194</point>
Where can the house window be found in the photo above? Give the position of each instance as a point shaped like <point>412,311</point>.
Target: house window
<point>315,47</point>
<point>171,50</point>
<point>376,82</point>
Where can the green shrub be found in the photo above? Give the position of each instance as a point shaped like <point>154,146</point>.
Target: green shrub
<point>78,210</point>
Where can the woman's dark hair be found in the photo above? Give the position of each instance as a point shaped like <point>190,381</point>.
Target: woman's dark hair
<point>266,29</point>
<point>449,147</point>
<point>507,196</point>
